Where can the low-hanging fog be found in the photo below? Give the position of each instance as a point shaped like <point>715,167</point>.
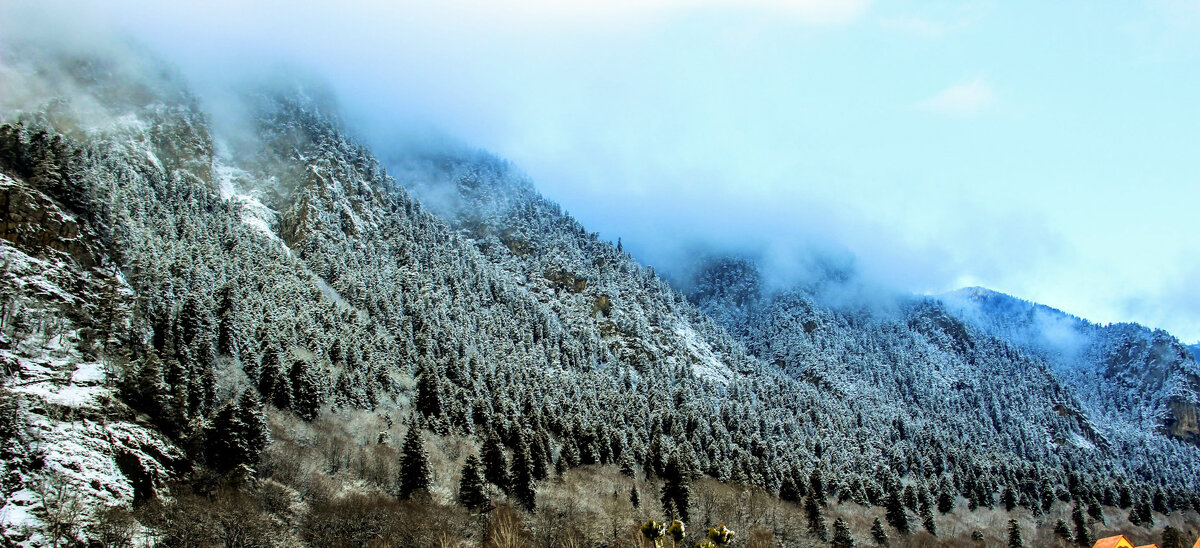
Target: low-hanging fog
<point>1044,150</point>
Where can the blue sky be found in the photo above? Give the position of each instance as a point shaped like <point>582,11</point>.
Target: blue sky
<point>1045,149</point>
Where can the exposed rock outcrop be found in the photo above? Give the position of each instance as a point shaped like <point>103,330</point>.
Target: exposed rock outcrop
<point>35,224</point>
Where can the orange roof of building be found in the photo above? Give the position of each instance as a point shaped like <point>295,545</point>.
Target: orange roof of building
<point>1197,545</point>
<point>1118,541</point>
<point>1148,546</point>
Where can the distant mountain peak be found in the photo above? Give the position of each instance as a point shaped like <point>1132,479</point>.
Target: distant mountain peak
<point>1106,362</point>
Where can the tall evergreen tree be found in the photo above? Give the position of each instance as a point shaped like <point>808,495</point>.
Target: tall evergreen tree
<point>1083,536</point>
<point>1124,496</point>
<point>415,474</point>
<point>1009,498</point>
<point>816,486</point>
<point>1141,514</point>
<point>945,501</point>
<point>909,498</point>
<point>472,492</point>
<point>1062,531</point>
<point>429,392</point>
<point>538,456</point>
<point>878,534</point>
<point>1094,510</point>
<point>897,517</point>
<point>841,535</point>
<point>495,464</point>
<point>257,432</point>
<point>306,390</point>
<point>174,417</point>
<point>788,491</point>
<point>813,514</point>
<point>677,486</point>
<point>626,465</point>
<point>272,384</point>
<point>1173,538</point>
<point>227,325</point>
<point>1014,534</point>
<point>1158,501</point>
<point>588,450</point>
<point>237,434</point>
<point>926,513</point>
<point>1047,495</point>
<point>522,483</point>
<point>569,456</point>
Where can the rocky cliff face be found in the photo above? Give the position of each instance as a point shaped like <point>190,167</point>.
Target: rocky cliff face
<point>1182,421</point>
<point>1151,366</point>
<point>35,224</point>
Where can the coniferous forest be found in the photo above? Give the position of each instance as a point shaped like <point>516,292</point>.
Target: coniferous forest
<point>277,336</point>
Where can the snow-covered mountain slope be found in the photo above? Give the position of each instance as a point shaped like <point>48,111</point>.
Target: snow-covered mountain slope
<point>69,447</point>
<point>292,266</point>
<point>1139,379</point>
<point>171,280</point>
<point>918,358</point>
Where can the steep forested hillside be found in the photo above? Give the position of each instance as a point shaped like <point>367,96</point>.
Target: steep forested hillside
<point>1135,379</point>
<point>938,360</point>
<point>210,330</point>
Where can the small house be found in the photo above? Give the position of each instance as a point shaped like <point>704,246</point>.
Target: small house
<point>1118,541</point>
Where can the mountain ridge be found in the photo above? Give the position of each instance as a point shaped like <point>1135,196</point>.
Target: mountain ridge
<point>1122,358</point>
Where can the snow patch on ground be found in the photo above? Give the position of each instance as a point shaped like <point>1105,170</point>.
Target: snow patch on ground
<point>65,401</point>
<point>58,381</point>
<point>705,363</point>
<point>1081,442</point>
<point>32,276</point>
<point>17,518</point>
<point>253,212</point>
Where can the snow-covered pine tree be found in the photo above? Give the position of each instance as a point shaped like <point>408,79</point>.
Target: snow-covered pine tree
<point>237,433</point>
<point>522,483</point>
<point>495,464</point>
<point>415,474</point>
<point>878,534</point>
<point>677,485</point>
<point>897,517</point>
<point>841,534</point>
<point>1083,535</point>
<point>1062,531</point>
<point>307,398</point>
<point>472,492</point>
<point>1014,534</point>
<point>815,516</point>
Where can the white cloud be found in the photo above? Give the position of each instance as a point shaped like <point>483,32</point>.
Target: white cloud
<point>964,99</point>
